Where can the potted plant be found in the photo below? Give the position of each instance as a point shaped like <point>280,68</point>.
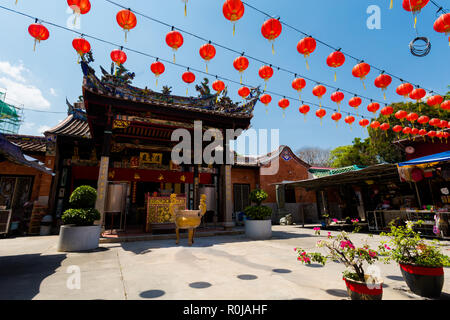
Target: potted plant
<point>78,232</point>
<point>421,263</point>
<point>258,225</point>
<point>361,284</point>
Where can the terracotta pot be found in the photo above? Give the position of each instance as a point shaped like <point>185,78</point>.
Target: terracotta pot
<point>423,281</point>
<point>358,290</point>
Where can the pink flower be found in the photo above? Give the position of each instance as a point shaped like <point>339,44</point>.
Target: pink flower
<point>299,259</point>
<point>329,235</point>
<point>295,249</point>
<point>303,253</point>
<point>387,247</point>
<point>316,229</point>
<point>373,254</point>
<point>306,259</point>
<point>335,220</point>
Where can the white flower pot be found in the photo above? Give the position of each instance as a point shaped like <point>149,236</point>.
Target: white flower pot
<point>258,229</point>
<point>73,238</point>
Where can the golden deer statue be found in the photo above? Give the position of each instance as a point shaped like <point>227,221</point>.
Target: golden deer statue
<point>187,219</point>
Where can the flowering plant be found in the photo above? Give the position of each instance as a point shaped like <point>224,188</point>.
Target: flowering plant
<point>341,248</point>
<point>317,231</point>
<point>406,246</point>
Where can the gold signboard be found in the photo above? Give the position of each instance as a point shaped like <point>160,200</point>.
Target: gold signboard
<point>150,158</point>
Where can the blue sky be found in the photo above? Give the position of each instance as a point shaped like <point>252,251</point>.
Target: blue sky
<point>43,79</point>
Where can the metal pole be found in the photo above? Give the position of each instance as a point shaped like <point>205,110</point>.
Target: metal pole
<point>418,195</point>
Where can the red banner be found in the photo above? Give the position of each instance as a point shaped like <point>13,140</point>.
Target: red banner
<point>422,271</point>
<point>136,175</point>
<point>376,290</point>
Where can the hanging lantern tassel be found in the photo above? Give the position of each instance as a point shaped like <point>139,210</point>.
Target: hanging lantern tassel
<point>391,5</point>
<point>284,114</point>
<point>339,107</point>
<point>34,47</point>
<point>415,21</point>
<point>304,117</point>
<point>156,81</point>
<point>185,9</point>
<point>265,84</point>
<point>362,80</point>
<point>206,66</point>
<point>240,73</point>
<point>187,88</point>
<point>335,76</point>
<point>384,93</point>
<point>126,31</point>
<point>273,47</point>
<point>267,110</point>
<point>306,60</point>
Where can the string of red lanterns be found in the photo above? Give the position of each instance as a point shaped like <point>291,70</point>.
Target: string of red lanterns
<point>119,63</point>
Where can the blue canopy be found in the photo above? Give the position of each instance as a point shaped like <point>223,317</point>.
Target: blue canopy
<point>438,157</point>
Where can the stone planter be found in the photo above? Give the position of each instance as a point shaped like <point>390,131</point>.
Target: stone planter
<point>73,238</point>
<point>358,290</point>
<point>423,281</point>
<point>258,229</point>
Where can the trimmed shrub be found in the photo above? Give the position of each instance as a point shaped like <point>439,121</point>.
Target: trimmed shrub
<point>83,197</point>
<point>80,217</point>
<point>258,212</point>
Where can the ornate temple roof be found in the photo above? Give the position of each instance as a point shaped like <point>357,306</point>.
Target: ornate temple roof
<point>27,143</point>
<point>75,125</point>
<point>119,87</point>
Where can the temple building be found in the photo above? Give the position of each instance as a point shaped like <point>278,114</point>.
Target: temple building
<point>118,140</point>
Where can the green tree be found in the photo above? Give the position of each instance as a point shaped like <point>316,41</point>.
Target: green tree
<point>359,153</point>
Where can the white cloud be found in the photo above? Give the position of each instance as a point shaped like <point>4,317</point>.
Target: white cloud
<point>43,128</point>
<point>19,91</point>
<point>15,72</point>
<point>53,92</point>
<point>24,94</point>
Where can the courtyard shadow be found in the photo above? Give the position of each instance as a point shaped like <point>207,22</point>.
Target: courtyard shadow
<point>337,293</point>
<point>152,294</point>
<point>396,278</point>
<point>21,275</point>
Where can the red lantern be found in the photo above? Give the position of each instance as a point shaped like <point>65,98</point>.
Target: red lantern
<point>79,6</point>
<point>207,52</point>
<point>158,69</point>
<point>188,77</point>
<point>414,6</point>
<point>320,113</point>
<point>244,92</point>
<point>81,46</point>
<point>265,72</point>
<point>373,107</point>
<point>175,40</point>
<point>233,10</point>
<point>435,101</point>
<point>271,29</point>
<point>397,128</point>
<point>240,64</point>
<point>408,130</point>
<point>382,82</point>
<point>423,119</point>
<point>39,32</point>
<point>304,109</point>
<point>266,99</point>
<point>445,105</point>
<point>385,127</point>
<point>416,174</point>
<point>415,131</point>
<point>127,20</point>
<point>431,134</point>
<point>337,97</point>
<point>350,120</point>
<point>423,132</point>
<point>375,125</point>
<point>404,89</point>
<point>336,117</point>
<point>364,123</point>
<point>434,122</point>
<point>319,92</point>
<point>418,94</point>
<point>218,86</point>
<point>401,114</point>
<point>283,104</point>
<point>442,24</point>
<point>443,124</point>
<point>412,117</point>
<point>299,84</point>
<point>387,111</point>
<point>335,60</point>
<point>361,70</point>
<point>118,56</point>
<point>306,46</point>
<point>355,102</point>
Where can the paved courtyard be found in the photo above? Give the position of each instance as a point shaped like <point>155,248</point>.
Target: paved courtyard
<point>222,267</point>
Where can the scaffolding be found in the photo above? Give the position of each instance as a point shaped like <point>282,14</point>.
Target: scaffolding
<point>10,116</point>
